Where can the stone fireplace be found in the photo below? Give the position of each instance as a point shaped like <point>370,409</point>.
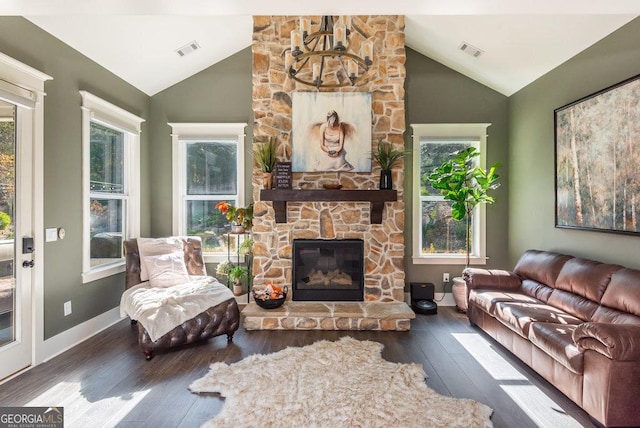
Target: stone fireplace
<point>382,241</point>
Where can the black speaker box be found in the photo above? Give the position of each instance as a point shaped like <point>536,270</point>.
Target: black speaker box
<point>422,294</point>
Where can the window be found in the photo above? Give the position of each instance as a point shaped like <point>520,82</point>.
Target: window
<point>111,182</point>
<point>208,160</point>
<point>438,239</point>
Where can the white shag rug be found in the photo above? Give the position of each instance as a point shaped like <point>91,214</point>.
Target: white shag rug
<point>333,384</point>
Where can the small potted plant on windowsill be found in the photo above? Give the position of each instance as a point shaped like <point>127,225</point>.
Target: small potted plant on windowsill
<point>264,155</point>
<point>387,157</point>
<point>466,185</point>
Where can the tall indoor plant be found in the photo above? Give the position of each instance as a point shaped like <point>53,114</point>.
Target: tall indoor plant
<point>464,183</point>
<point>386,156</point>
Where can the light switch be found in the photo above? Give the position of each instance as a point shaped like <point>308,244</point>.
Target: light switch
<point>51,234</point>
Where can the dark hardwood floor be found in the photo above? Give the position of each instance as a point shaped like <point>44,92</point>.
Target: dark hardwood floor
<point>105,381</point>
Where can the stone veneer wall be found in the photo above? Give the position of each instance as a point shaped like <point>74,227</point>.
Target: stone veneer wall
<point>272,94</point>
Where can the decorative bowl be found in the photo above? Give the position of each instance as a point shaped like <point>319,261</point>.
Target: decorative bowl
<point>270,303</point>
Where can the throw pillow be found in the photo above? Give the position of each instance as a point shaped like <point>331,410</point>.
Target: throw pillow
<point>154,247</point>
<point>166,270</point>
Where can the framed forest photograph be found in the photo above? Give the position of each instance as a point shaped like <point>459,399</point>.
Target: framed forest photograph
<point>597,142</point>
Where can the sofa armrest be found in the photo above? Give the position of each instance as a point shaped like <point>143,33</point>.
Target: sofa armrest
<point>620,342</point>
<point>492,278</point>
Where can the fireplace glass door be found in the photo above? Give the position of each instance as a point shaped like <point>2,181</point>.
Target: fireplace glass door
<point>328,270</point>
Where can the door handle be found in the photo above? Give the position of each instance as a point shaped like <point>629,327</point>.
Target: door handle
<point>28,263</point>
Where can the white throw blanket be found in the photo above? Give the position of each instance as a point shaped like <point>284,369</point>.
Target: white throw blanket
<point>160,310</point>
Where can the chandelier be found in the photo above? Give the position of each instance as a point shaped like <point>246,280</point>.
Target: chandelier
<point>323,58</point>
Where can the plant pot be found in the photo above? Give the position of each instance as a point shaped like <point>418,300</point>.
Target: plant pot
<point>237,228</point>
<point>267,179</point>
<point>386,179</point>
<point>238,289</point>
<point>459,291</point>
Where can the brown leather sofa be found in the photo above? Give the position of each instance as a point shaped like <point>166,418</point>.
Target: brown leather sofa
<point>574,321</point>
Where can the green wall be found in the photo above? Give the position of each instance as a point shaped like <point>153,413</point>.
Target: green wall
<point>71,72</point>
<point>437,94</point>
<point>521,137</point>
<point>531,152</point>
<point>220,93</point>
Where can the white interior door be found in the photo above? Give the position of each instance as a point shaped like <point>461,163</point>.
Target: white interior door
<point>16,223</point>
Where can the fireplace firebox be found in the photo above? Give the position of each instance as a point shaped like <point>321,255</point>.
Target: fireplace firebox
<point>328,269</point>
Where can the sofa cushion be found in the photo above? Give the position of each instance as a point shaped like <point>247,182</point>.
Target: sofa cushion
<point>535,289</point>
<point>519,316</point>
<point>573,304</point>
<point>613,316</point>
<point>487,298</point>
<point>556,340</point>
<point>541,266</point>
<point>495,278</point>
<point>622,293</point>
<point>586,278</point>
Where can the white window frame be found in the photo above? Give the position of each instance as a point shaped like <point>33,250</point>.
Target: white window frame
<point>95,109</point>
<point>479,243</point>
<point>183,133</point>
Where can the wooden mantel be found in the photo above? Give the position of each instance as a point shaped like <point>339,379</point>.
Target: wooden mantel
<point>280,197</point>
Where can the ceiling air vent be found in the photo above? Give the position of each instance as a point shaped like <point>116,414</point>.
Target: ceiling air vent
<point>470,50</point>
<point>188,48</point>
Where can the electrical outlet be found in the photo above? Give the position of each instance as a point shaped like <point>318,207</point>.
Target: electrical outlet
<point>445,277</point>
<point>67,308</point>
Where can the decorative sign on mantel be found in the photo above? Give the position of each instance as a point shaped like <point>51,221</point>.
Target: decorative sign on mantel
<point>282,175</point>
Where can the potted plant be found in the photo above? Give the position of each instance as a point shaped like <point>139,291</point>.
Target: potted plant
<point>265,156</point>
<point>223,268</point>
<point>244,217</point>
<point>241,218</point>
<point>246,248</point>
<point>386,156</point>
<point>466,185</point>
<point>236,273</point>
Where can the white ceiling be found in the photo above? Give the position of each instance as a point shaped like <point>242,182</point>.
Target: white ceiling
<point>136,40</point>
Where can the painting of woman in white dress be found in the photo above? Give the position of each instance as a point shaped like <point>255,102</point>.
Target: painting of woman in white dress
<point>340,141</point>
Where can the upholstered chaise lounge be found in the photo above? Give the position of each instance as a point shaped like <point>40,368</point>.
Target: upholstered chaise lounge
<point>574,321</point>
<point>223,318</point>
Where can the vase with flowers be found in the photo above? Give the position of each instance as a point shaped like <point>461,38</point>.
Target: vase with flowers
<point>241,218</point>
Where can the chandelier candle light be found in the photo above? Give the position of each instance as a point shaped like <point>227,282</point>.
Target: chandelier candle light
<point>311,54</point>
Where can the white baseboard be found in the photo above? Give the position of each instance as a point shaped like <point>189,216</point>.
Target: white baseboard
<point>442,299</point>
<point>69,338</point>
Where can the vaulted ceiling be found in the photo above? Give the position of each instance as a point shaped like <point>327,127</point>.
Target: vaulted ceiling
<point>137,40</point>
